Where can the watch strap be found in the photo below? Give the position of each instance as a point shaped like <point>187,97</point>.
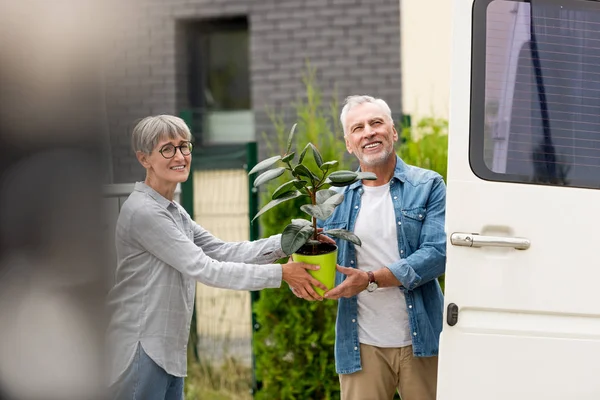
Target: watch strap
<point>371,276</point>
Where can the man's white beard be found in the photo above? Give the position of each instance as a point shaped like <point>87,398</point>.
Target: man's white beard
<point>373,160</point>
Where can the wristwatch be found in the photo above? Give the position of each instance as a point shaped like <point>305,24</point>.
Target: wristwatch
<point>372,282</point>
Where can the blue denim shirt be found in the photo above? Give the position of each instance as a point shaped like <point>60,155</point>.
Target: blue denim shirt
<point>419,198</point>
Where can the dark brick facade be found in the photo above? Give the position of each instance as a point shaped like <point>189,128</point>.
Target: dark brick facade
<point>353,44</point>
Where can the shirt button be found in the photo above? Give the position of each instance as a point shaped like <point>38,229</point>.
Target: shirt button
<point>356,348</point>
<point>395,197</point>
<point>414,333</point>
<point>401,251</point>
<point>351,261</point>
<point>420,216</point>
<point>410,306</point>
<point>356,207</point>
<point>353,320</point>
<point>399,223</point>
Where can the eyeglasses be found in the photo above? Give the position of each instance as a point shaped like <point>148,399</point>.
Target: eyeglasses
<point>169,150</point>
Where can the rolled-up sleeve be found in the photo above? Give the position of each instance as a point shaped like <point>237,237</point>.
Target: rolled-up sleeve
<point>429,260</point>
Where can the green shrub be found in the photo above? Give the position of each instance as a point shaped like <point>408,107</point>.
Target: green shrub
<point>425,145</point>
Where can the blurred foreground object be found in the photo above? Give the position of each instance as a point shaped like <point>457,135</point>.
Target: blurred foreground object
<point>53,160</point>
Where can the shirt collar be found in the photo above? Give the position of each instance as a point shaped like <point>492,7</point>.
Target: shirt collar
<point>399,173</point>
<point>162,201</point>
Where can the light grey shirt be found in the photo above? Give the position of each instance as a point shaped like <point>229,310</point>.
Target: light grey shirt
<point>161,253</point>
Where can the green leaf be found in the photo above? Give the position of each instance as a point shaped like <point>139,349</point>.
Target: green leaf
<point>328,164</point>
<point>287,187</point>
<point>341,184</point>
<point>300,184</point>
<point>301,222</point>
<point>342,176</point>
<point>319,211</point>
<point>264,164</point>
<point>335,200</point>
<point>303,153</point>
<point>324,194</point>
<point>343,234</point>
<point>288,157</point>
<point>273,203</point>
<point>303,171</point>
<point>294,236</point>
<point>317,156</point>
<point>268,175</point>
<point>369,176</point>
<point>291,139</point>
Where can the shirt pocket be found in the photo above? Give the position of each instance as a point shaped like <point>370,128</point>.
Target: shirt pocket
<point>412,222</point>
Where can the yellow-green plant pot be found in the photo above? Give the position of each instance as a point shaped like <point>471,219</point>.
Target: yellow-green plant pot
<point>327,262</point>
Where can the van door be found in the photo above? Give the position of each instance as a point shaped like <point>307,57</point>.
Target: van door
<point>522,318</point>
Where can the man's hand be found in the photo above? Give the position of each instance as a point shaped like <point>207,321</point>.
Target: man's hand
<point>324,238</point>
<point>356,281</point>
<point>300,281</point>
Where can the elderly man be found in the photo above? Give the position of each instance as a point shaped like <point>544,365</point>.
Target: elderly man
<point>390,302</point>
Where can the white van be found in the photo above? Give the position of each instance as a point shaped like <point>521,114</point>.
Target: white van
<point>522,296</point>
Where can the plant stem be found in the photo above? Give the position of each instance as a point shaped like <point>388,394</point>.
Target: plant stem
<point>322,179</point>
<point>313,200</point>
<point>289,167</point>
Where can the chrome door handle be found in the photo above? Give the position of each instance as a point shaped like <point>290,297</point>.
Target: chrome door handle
<point>477,240</point>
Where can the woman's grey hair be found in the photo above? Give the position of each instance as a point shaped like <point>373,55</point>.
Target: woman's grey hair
<point>151,130</point>
<point>353,101</point>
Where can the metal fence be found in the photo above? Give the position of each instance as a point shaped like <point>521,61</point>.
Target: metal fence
<point>223,317</point>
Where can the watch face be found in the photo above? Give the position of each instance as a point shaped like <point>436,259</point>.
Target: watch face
<point>372,286</point>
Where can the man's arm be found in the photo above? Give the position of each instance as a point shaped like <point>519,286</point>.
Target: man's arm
<point>425,264</point>
<point>357,280</point>
<point>429,260</point>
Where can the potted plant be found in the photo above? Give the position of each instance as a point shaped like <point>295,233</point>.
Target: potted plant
<point>299,238</point>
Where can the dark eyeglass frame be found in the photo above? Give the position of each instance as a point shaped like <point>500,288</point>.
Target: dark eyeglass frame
<point>187,146</point>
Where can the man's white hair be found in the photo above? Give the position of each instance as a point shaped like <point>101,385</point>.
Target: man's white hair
<point>151,130</point>
<point>355,100</point>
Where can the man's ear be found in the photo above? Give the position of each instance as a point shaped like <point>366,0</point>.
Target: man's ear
<point>395,134</point>
<point>142,158</point>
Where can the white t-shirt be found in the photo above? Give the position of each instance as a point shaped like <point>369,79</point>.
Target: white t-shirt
<point>382,314</point>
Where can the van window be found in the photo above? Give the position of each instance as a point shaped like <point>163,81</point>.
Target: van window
<point>535,114</point>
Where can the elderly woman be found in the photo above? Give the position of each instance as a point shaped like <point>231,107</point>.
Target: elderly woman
<point>161,254</point>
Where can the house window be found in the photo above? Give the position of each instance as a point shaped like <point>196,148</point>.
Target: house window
<point>219,80</point>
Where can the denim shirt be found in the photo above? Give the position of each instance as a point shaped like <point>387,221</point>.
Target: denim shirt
<point>419,198</point>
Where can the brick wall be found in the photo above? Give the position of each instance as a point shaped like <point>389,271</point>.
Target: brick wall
<point>355,46</point>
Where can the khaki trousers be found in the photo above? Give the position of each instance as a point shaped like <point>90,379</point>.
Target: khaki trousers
<point>385,370</point>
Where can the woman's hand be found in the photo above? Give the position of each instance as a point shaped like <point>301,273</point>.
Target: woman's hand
<point>300,281</point>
